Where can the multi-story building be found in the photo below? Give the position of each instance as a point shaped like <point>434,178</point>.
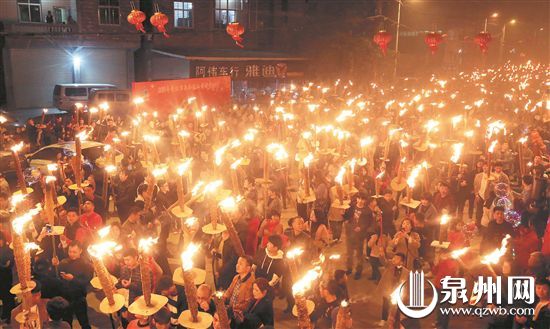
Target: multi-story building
<point>199,45</point>
<point>47,42</point>
<point>63,41</point>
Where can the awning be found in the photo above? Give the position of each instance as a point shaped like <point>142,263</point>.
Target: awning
<point>215,55</point>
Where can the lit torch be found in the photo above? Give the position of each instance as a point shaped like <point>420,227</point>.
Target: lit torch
<point>299,289</point>
<point>521,142</point>
<point>98,251</point>
<point>189,281</point>
<point>228,206</point>
<point>19,171</point>
<point>292,264</point>
<point>153,140</point>
<point>411,181</point>
<point>442,227</point>
<point>210,188</point>
<point>182,169</point>
<point>494,257</point>
<point>339,180</point>
<point>457,151</point>
<point>234,177</point>
<point>307,161</point>
<point>145,268</point>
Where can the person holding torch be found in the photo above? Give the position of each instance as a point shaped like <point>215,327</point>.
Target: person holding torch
<point>239,294</point>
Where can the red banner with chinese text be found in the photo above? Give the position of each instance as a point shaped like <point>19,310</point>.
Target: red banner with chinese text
<point>166,96</point>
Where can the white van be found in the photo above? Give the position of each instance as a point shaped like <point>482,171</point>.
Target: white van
<point>119,100</point>
<point>66,95</point>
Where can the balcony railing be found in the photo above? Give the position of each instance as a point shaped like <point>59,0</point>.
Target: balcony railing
<point>41,28</point>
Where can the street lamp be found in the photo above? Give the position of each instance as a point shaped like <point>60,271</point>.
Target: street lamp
<point>503,36</point>
<point>400,3</point>
<point>493,15</point>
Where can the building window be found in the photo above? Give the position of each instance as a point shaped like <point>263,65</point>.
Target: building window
<point>30,11</point>
<point>227,11</point>
<point>109,12</point>
<point>183,14</point>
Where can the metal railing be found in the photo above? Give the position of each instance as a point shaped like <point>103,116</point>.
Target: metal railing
<point>41,28</point>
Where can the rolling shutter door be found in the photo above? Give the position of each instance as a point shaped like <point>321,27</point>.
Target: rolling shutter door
<point>104,66</point>
<point>35,72</point>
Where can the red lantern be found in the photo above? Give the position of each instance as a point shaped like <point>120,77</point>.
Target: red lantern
<point>158,20</point>
<point>137,17</point>
<point>433,40</point>
<point>235,30</point>
<point>482,40</point>
<point>382,39</point>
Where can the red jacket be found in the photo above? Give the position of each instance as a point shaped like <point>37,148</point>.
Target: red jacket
<point>447,202</point>
<point>524,246</point>
<point>457,239</point>
<point>251,242</point>
<point>445,267</point>
<point>93,221</point>
<point>546,244</point>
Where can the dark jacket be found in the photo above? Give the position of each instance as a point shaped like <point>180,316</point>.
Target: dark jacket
<point>543,319</point>
<point>259,313</point>
<point>229,260</point>
<point>492,238</point>
<point>125,192</point>
<point>388,214</point>
<point>134,275</point>
<point>82,272</point>
<point>361,218</point>
<point>268,266</point>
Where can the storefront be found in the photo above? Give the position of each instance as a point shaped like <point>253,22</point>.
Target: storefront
<point>249,70</point>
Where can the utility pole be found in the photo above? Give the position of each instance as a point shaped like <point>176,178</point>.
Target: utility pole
<point>397,39</point>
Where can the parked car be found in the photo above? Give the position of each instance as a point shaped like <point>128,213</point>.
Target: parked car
<point>119,100</point>
<point>52,117</point>
<point>40,159</point>
<point>65,96</point>
<point>7,167</point>
<point>11,124</point>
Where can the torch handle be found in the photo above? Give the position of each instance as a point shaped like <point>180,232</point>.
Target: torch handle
<point>145,278</point>
<point>237,244</point>
<point>191,294</point>
<point>105,279</point>
<point>19,172</point>
<point>303,316</point>
<point>222,313</point>
<point>19,255</point>
<point>342,318</point>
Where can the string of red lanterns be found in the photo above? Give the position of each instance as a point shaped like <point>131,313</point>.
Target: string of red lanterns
<point>137,17</point>
<point>235,30</point>
<point>433,40</point>
<point>482,39</point>
<point>382,39</point>
<point>159,20</point>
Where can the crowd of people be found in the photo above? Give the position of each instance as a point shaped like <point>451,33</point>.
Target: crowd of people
<point>494,190</point>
